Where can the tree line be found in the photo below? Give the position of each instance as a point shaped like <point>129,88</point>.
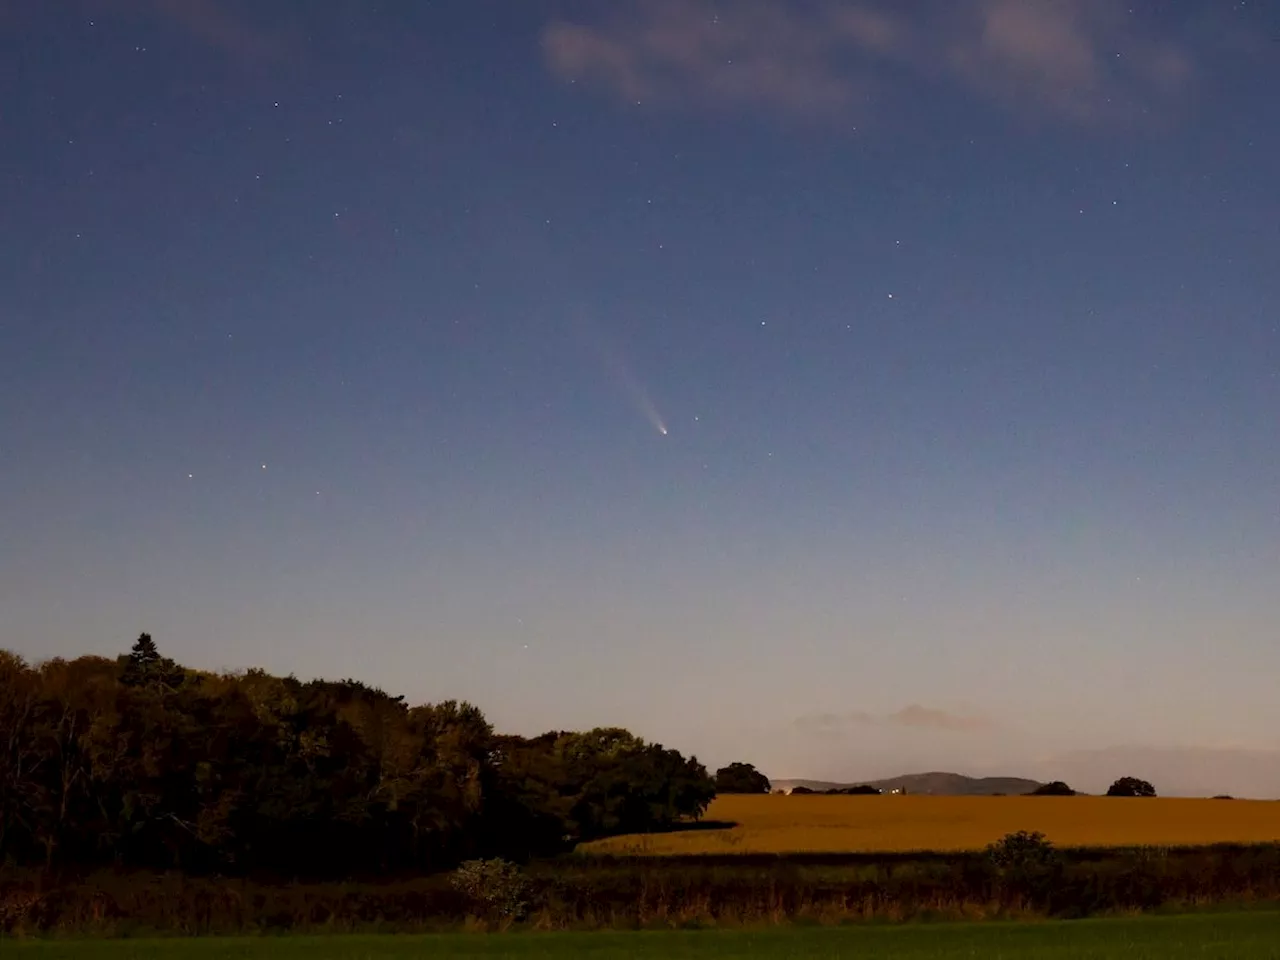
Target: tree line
<point>139,762</point>
<point>1124,787</point>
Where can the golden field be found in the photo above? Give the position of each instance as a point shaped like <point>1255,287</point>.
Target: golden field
<point>843,824</point>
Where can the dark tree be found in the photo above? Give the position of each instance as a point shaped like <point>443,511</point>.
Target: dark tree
<point>144,666</point>
<point>801,791</point>
<point>862,790</point>
<point>138,763</point>
<point>1055,789</point>
<point>144,653</point>
<point>1131,787</point>
<point>741,778</point>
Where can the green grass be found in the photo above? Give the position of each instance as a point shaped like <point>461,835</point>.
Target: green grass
<point>1244,936</point>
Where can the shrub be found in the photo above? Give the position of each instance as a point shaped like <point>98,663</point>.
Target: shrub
<point>741,778</point>
<point>1027,868</point>
<point>1131,787</point>
<point>496,886</point>
<point>1055,789</point>
<point>1021,851</point>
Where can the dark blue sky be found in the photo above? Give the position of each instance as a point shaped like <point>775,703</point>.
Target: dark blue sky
<point>339,338</point>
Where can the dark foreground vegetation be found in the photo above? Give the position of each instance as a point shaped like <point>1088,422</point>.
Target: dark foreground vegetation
<point>140,797</point>
<point>1019,878</point>
<point>1246,936</point>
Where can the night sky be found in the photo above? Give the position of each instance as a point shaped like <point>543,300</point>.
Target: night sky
<point>849,388</point>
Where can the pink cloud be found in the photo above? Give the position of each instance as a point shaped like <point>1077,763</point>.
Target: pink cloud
<point>754,53</point>
<point>577,52</point>
<point>1084,61</point>
<point>1026,48</point>
<point>868,28</point>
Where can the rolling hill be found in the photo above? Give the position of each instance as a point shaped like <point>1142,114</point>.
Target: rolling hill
<point>934,784</point>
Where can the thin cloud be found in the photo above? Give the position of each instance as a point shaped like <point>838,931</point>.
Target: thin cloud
<point>1084,61</point>
<point>834,722</point>
<point>930,719</point>
<point>675,50</point>
<point>913,716</point>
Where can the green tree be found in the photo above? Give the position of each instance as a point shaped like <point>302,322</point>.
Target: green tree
<point>1054,789</point>
<point>741,778</point>
<point>1026,865</point>
<point>20,754</point>
<point>1131,787</point>
<point>144,654</point>
<point>138,762</point>
<point>144,666</point>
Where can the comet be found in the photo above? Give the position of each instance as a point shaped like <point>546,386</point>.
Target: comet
<point>639,396</point>
<point>621,374</point>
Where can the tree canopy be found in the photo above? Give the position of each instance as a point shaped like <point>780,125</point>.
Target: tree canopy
<point>741,778</point>
<point>1131,787</point>
<point>139,762</point>
<point>1055,788</point>
<point>860,790</point>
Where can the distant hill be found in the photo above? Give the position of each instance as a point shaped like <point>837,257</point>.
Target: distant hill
<point>786,786</point>
<point>936,784</point>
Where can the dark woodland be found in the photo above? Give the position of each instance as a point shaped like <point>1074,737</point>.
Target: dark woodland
<point>139,762</point>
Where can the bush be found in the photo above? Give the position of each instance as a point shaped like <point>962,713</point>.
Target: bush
<point>1027,868</point>
<point>496,886</point>
<point>1055,789</point>
<point>1021,851</point>
<point>741,778</point>
<point>1131,787</point>
<point>862,790</point>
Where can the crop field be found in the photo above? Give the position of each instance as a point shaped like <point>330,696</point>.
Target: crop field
<point>841,824</point>
<point>1245,936</point>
